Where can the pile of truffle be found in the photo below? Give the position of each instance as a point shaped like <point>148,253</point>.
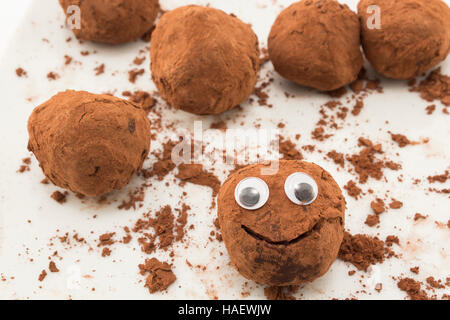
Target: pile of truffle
<point>205,61</point>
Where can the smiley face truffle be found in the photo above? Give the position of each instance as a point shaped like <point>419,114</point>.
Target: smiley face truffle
<point>204,61</point>
<point>87,143</point>
<point>412,37</point>
<point>282,229</point>
<point>316,43</point>
<point>112,21</point>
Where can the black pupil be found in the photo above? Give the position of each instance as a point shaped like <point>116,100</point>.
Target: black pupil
<point>249,196</point>
<point>304,192</point>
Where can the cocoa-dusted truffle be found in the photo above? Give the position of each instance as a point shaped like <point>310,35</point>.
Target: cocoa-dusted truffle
<point>87,143</point>
<point>414,35</point>
<point>204,61</point>
<point>113,21</point>
<point>282,229</point>
<point>316,43</point>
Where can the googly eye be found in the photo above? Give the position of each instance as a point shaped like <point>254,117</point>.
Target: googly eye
<point>301,188</point>
<point>251,193</point>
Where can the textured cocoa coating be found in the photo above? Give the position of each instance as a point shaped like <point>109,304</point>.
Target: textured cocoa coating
<point>87,143</point>
<point>414,36</point>
<point>113,21</point>
<point>316,43</point>
<point>204,61</point>
<point>283,243</point>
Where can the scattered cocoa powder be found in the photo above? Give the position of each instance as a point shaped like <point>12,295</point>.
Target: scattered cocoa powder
<point>319,134</point>
<point>138,61</point>
<point>366,164</point>
<point>163,225</point>
<point>395,204</point>
<point>433,283</point>
<point>442,178</point>
<point>363,250</point>
<point>261,95</point>
<point>181,221</point>
<point>160,274</point>
<point>435,87</point>
<point>412,288</point>
<point>390,240</point>
<point>414,270</point>
<point>52,267</point>
<point>59,196</point>
<point>144,99</point>
<point>372,220</point>
<point>218,125</point>
<point>419,216</point>
<point>67,60</point>
<point>52,76</point>
<point>106,252</point>
<point>134,74</point>
<point>100,69</point>
<point>25,166</point>
<point>164,165</point>
<point>127,239</point>
<point>288,149</point>
<point>42,275</point>
<point>400,139</point>
<point>359,105</point>
<point>352,189</point>
<point>21,72</point>
<point>135,199</point>
<point>195,174</point>
<point>378,206</point>
<point>430,109</point>
<point>106,239</point>
<point>337,157</point>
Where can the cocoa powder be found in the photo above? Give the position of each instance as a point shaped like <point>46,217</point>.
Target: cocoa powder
<point>289,150</point>
<point>412,288</point>
<point>194,173</point>
<point>362,250</point>
<point>435,86</point>
<point>160,275</point>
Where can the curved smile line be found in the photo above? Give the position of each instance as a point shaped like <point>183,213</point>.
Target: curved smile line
<point>302,236</point>
<point>260,237</point>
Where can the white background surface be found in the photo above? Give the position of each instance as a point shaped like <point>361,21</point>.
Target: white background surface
<point>23,198</point>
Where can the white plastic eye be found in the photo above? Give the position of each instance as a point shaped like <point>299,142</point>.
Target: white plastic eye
<point>251,193</point>
<point>301,188</point>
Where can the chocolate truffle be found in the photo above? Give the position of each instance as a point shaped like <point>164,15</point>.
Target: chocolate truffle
<point>282,229</point>
<point>87,143</point>
<point>203,60</point>
<point>113,21</point>
<point>316,43</point>
<point>413,35</point>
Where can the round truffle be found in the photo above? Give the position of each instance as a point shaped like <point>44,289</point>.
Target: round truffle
<point>112,21</point>
<point>412,35</point>
<point>316,43</point>
<point>283,243</point>
<point>203,60</point>
<point>87,143</point>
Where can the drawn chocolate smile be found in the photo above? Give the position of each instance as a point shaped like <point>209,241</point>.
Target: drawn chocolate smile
<point>315,228</point>
<point>302,236</point>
